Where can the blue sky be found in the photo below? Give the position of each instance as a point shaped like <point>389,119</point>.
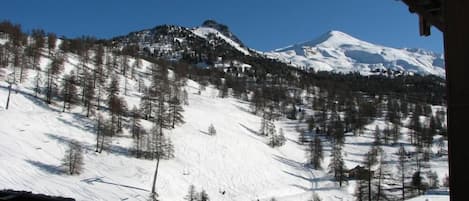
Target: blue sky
<point>261,24</point>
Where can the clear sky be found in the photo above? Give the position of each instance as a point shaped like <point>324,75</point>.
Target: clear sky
<point>260,24</point>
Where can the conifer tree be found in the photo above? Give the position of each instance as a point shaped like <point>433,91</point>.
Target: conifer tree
<point>89,95</point>
<point>51,42</point>
<point>315,153</point>
<point>37,83</point>
<point>69,91</point>
<point>175,112</point>
<point>203,196</point>
<point>211,130</point>
<point>73,159</point>
<point>402,167</point>
<point>337,165</point>
<point>191,194</point>
<point>54,69</point>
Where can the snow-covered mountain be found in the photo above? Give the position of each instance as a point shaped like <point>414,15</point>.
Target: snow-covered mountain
<point>202,44</point>
<point>339,52</point>
<point>334,51</point>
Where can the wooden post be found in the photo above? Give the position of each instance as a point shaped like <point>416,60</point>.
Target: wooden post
<point>456,38</point>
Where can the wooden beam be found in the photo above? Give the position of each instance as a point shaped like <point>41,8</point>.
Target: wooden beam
<point>424,27</point>
<point>456,38</point>
<point>422,9</point>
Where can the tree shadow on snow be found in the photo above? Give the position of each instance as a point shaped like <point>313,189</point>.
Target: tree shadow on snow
<point>243,109</point>
<point>79,121</point>
<point>111,148</point>
<point>36,100</point>
<point>313,181</point>
<point>294,164</point>
<point>52,169</point>
<point>100,180</point>
<point>204,132</point>
<point>249,129</point>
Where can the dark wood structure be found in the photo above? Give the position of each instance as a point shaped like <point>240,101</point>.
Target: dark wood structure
<point>358,173</point>
<point>451,17</point>
<point>12,195</point>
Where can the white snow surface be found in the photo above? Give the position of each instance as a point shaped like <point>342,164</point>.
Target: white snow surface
<point>34,137</point>
<point>205,31</point>
<point>339,52</point>
<point>237,161</point>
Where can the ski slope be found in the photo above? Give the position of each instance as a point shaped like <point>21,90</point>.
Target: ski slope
<point>236,161</point>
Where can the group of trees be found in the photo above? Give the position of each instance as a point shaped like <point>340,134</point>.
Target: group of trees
<point>379,182</point>
<point>193,195</point>
<point>268,129</point>
<point>96,85</point>
<point>73,158</point>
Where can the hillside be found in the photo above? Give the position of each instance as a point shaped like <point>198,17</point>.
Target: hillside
<point>333,51</point>
<point>236,160</point>
<point>267,122</point>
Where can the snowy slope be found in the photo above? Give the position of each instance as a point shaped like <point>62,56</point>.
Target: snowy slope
<point>235,160</point>
<point>34,136</point>
<point>339,52</point>
<point>205,31</point>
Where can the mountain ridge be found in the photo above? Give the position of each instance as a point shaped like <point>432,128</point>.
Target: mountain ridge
<point>334,51</point>
<point>340,52</point>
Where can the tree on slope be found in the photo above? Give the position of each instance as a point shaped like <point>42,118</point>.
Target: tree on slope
<point>276,140</point>
<point>89,94</point>
<point>383,174</point>
<point>51,42</point>
<point>203,196</point>
<point>369,162</point>
<point>402,167</point>
<point>211,130</point>
<point>137,130</point>
<point>315,153</point>
<point>361,191</point>
<point>191,194</point>
<point>69,92</point>
<point>73,159</point>
<point>104,132</point>
<point>54,69</point>
<point>337,165</point>
<point>175,112</point>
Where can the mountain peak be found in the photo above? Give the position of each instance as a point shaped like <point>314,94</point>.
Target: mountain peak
<point>215,25</point>
<point>340,52</point>
<point>223,29</point>
<point>332,38</point>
